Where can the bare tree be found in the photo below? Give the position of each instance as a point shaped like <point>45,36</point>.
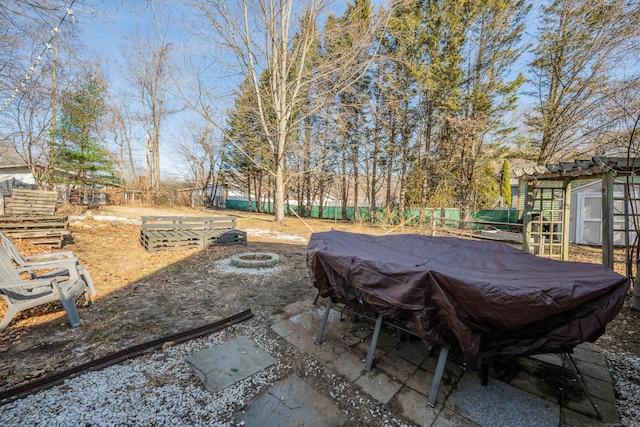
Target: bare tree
<point>272,48</point>
<point>117,133</point>
<point>149,75</point>
<point>23,34</point>
<point>37,61</point>
<point>581,45</point>
<point>201,156</point>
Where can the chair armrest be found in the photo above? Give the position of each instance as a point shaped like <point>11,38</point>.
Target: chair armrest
<point>50,256</point>
<point>64,264</point>
<point>53,263</point>
<point>29,285</point>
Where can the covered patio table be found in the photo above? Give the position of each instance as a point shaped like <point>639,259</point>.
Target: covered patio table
<point>485,299</point>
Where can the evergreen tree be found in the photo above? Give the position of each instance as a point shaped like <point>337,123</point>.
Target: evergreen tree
<point>492,50</point>
<point>79,150</point>
<point>352,104</point>
<point>469,48</point>
<point>247,155</point>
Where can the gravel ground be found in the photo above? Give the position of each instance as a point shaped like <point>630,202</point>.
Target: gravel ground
<point>158,389</point>
<point>162,389</point>
<point>625,371</point>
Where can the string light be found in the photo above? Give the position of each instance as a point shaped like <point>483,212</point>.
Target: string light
<point>48,46</point>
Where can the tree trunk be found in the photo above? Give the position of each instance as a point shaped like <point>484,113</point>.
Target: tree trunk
<point>390,161</point>
<point>344,194</point>
<point>356,177</point>
<point>279,190</point>
<point>249,200</point>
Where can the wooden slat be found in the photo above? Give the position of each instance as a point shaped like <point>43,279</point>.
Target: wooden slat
<point>23,203</point>
<point>32,218</point>
<point>35,194</point>
<point>25,225</point>
<point>31,234</point>
<point>175,233</point>
<point>53,242</point>
<point>46,230</point>
<point>174,223</point>
<point>225,237</point>
<point>31,202</point>
<point>156,240</point>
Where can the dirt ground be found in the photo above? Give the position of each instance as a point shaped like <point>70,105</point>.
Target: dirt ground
<point>144,296</point>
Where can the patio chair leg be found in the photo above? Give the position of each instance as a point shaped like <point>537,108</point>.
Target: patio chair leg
<point>72,311</point>
<point>8,316</point>
<point>374,343</point>
<point>69,303</point>
<point>323,324</point>
<point>87,278</point>
<point>437,376</point>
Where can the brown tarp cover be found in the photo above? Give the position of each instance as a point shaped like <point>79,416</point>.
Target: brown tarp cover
<point>483,298</point>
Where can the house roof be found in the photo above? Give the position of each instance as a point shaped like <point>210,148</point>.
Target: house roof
<point>13,165</point>
<point>8,155</point>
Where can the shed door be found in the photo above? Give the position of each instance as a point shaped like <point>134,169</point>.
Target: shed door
<point>589,219</point>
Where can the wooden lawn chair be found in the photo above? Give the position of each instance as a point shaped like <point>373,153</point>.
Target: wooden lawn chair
<point>50,263</point>
<point>23,294</point>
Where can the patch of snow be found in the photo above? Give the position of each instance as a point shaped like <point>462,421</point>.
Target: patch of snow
<point>259,232</point>
<point>224,266</point>
<point>110,218</point>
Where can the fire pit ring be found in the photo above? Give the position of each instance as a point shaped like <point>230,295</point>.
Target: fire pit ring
<point>255,259</point>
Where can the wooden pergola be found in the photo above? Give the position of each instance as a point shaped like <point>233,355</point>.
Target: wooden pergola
<point>546,213</point>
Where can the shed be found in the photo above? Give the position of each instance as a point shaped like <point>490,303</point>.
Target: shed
<point>585,225</point>
<point>548,197</point>
<point>15,176</point>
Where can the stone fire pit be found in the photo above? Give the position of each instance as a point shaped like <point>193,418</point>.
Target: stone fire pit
<point>255,260</point>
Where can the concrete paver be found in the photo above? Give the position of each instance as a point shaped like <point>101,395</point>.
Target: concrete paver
<point>602,389</point>
<point>608,410</point>
<point>413,405</point>
<point>588,352</point>
<point>532,384</point>
<point>396,367</point>
<point>521,394</point>
<point>379,385</point>
<point>595,370</point>
<point>413,352</point>
<point>551,359</point>
<point>462,400</point>
<point>452,370</point>
<point>292,402</point>
<point>227,363</point>
<point>569,418</point>
<point>449,418</point>
<point>421,383</point>
<point>500,404</point>
<point>349,365</point>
